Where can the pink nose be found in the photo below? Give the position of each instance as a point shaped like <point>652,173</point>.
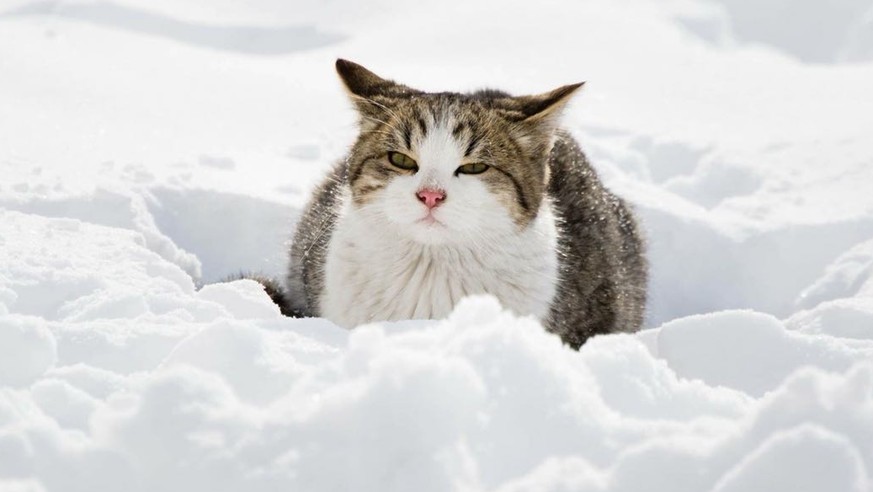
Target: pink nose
<point>431,198</point>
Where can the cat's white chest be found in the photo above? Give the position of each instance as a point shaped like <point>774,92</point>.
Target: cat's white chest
<point>373,274</point>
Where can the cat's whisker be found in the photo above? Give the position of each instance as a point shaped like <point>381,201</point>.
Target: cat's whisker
<point>390,111</point>
<point>389,125</point>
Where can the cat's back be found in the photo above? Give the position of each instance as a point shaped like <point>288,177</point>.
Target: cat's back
<point>602,272</point>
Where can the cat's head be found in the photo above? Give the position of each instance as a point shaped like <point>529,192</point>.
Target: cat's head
<point>447,167</point>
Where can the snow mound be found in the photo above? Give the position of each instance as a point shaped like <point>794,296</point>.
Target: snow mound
<point>837,464</point>
<point>28,350</point>
<point>749,351</point>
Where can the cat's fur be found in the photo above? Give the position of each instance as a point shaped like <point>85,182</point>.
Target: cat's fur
<point>537,230</point>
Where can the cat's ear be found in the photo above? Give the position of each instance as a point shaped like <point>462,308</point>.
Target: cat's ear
<point>362,83</point>
<point>372,95</point>
<point>538,117</point>
<point>546,107</point>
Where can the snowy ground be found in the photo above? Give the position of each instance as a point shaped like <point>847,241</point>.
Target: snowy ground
<point>148,147</point>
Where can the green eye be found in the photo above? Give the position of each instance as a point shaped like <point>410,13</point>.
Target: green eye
<point>402,161</point>
<point>475,168</point>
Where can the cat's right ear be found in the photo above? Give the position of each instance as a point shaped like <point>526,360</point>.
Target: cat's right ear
<point>368,91</point>
<point>361,82</point>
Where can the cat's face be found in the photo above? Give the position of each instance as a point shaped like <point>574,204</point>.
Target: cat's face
<point>449,167</point>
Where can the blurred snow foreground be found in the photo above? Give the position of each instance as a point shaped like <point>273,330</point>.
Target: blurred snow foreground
<point>147,147</point>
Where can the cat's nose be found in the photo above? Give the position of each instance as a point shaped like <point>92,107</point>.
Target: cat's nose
<point>431,198</point>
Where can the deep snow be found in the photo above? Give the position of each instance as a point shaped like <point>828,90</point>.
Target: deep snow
<point>149,147</point>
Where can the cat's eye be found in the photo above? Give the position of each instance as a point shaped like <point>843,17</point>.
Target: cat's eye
<point>402,161</point>
<point>475,168</point>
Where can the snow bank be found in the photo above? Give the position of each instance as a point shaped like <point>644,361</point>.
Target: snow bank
<point>153,147</point>
<point>141,379</point>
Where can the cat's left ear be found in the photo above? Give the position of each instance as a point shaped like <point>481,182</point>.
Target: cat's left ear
<point>546,107</point>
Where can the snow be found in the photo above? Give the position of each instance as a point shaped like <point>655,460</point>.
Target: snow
<point>838,465</point>
<point>150,147</point>
<point>29,349</point>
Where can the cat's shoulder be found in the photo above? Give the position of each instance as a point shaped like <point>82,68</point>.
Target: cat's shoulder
<point>566,150</point>
<point>569,168</point>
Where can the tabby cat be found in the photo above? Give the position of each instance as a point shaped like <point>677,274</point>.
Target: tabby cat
<point>444,195</point>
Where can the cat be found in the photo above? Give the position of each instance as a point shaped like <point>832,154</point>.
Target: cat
<point>445,195</point>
